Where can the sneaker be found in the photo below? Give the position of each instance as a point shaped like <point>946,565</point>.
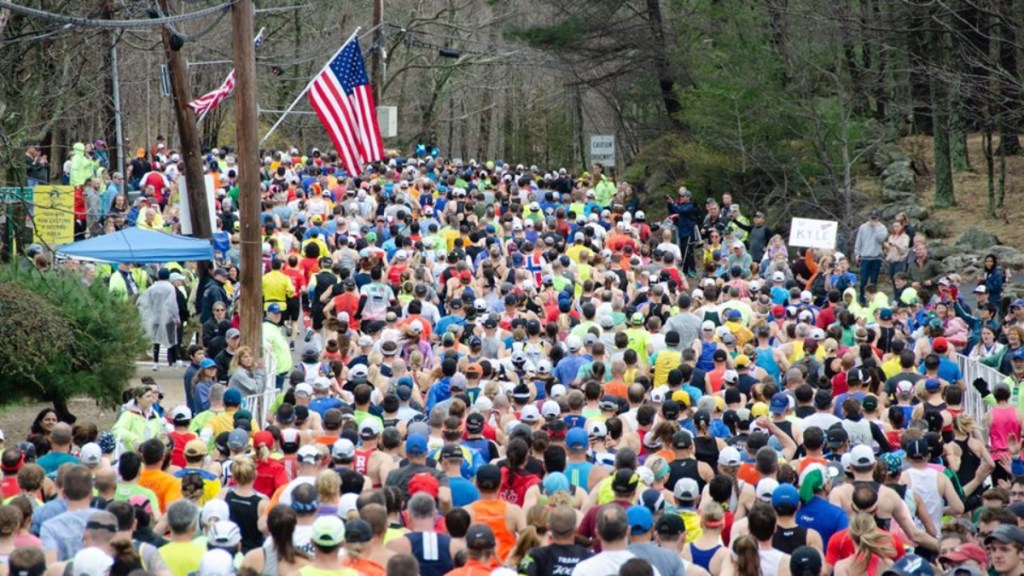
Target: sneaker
<point>156,366</point>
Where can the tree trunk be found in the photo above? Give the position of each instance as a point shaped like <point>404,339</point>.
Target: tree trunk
<point>943,163</point>
<point>662,68</point>
<point>958,151</point>
<point>986,139</point>
<point>917,48</point>
<point>1009,85</point>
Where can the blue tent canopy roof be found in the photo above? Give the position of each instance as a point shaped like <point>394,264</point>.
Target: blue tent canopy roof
<point>138,246</point>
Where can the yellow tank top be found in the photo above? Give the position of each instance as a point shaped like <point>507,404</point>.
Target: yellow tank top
<point>667,361</point>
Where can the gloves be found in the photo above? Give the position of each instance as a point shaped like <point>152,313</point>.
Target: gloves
<point>981,386</point>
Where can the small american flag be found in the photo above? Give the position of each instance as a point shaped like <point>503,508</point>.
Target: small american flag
<point>202,105</point>
<point>343,100</point>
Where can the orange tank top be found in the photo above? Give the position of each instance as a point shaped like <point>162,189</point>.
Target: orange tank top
<point>492,513</point>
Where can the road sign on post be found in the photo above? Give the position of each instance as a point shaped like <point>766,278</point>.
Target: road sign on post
<point>602,149</point>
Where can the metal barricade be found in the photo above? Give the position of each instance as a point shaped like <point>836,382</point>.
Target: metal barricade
<point>971,370</point>
<point>258,404</point>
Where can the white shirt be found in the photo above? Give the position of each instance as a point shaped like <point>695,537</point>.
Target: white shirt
<point>820,420</point>
<point>605,564</point>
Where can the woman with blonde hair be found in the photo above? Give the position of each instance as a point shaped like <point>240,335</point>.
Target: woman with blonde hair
<point>328,491</point>
<point>245,505</point>
<point>874,549</point>
<point>532,536</point>
<point>246,372</point>
<point>707,551</point>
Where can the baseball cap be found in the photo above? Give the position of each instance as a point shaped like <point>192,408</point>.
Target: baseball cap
<point>911,565</point>
<point>861,456</point>
<point>1006,533</point>
<point>263,438</point>
<point>765,489</point>
<point>805,561</point>
<point>224,533</point>
<point>779,403</point>
<point>837,436</point>
<point>328,531</point>
<point>488,476</point>
<point>91,561</point>
<point>343,450</point>
<point>932,384</point>
<point>216,562</point>
<point>181,414</point>
<point>785,495</point>
<point>624,481</point>
<point>653,500</point>
<point>686,489</point>
<point>904,388</point>
<point>529,414</point>
<point>424,482</point>
<point>238,439</point>
<point>308,454</point>
<point>480,537</point>
<point>550,409</point>
<point>670,525</point>
<point>729,456</point>
<point>358,531</point>
<point>416,445</point>
<point>91,455</point>
<point>577,439</point>
<point>207,363</point>
<point>968,551</point>
<point>940,344</point>
<point>274,308</point>
<point>475,423</point>
<point>214,509</point>
<point>682,440</point>
<point>195,448</point>
<point>597,429</point>
<point>370,428</point>
<point>303,389</point>
<point>640,519</point>
<point>449,451</point>
<point>917,448</point>
<point>232,397</point>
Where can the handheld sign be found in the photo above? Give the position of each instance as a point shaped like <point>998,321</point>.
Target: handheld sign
<point>811,233</point>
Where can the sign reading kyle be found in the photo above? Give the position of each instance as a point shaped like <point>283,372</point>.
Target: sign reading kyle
<point>812,233</point>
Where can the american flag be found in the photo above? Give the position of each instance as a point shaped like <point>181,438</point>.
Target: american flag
<point>343,100</point>
<point>202,105</point>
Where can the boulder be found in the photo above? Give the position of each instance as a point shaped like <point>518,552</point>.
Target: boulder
<point>913,210</point>
<point>886,154</point>
<point>1008,257</point>
<point>977,239</point>
<point>931,229</point>
<point>899,176</point>
<point>959,263</point>
<point>942,251</point>
<point>896,195</point>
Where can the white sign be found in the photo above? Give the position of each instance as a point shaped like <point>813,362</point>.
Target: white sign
<point>387,118</point>
<point>812,233</point>
<point>184,211</point>
<point>602,149</point>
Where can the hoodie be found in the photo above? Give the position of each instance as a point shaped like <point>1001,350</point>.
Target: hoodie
<point>82,168</point>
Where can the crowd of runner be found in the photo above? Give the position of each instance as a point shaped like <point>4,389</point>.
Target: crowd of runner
<point>485,368</point>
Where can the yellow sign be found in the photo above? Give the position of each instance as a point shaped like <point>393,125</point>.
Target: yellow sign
<point>54,215</point>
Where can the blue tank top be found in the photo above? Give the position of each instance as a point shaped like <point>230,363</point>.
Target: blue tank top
<point>707,350</point>
<point>578,472</point>
<point>433,551</point>
<point>703,558</point>
<point>766,360</point>
<point>482,447</point>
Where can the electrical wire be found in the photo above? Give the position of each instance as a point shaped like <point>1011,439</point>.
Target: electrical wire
<point>116,24</point>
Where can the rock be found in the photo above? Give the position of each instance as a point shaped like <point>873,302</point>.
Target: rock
<point>913,210</point>
<point>885,155</point>
<point>977,239</point>
<point>1008,257</point>
<point>931,229</point>
<point>959,262</point>
<point>896,195</point>
<point>899,176</point>
<point>942,251</point>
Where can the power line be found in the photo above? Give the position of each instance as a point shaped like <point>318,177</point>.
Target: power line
<point>116,24</point>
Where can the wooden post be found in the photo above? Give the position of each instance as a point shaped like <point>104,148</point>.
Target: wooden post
<point>242,21</point>
<point>181,91</point>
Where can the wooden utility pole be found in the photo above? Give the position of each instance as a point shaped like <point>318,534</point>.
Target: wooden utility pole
<point>376,70</point>
<point>181,91</point>
<point>242,22</point>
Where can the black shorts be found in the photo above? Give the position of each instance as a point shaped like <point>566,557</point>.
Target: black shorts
<point>293,310</point>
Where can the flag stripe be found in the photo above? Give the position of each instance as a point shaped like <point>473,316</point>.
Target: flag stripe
<point>343,100</point>
<point>211,100</point>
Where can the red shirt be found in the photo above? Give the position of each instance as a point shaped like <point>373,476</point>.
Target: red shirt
<point>297,276</point>
<point>309,266</point>
<point>9,487</point>
<point>839,384</point>
<point>270,475</point>
<point>348,302</point>
<point>840,546</point>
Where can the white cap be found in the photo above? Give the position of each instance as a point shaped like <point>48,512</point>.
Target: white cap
<point>91,454</point>
<point>697,294</point>
<point>308,454</point>
<point>729,456</point>
<point>343,449</point>
<point>573,343</point>
<point>321,383</point>
<point>370,428</point>
<point>181,413</point>
<point>347,504</point>
<point>686,490</point>
<point>550,409</point>
<point>862,455</point>
<point>483,404</point>
<point>358,371</point>
<point>480,304</point>
<point>224,533</point>
<point>646,475</point>
<point>558,390</point>
<point>606,459</point>
<point>707,326</point>
<point>304,388</point>
<point>658,394</point>
<point>529,414</point>
<point>765,488</point>
<point>597,429</point>
<point>91,562</point>
<point>731,376</point>
<point>640,215</point>
<point>364,340</point>
<point>778,276</point>
<point>544,367</point>
<point>509,426</point>
<point>806,296</point>
<point>214,509</point>
<point>216,563</point>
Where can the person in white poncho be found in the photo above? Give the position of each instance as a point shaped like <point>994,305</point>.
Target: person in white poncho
<point>158,307</point>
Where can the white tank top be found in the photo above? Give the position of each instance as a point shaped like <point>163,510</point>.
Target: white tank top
<point>770,560</point>
<point>924,483</point>
<point>859,431</point>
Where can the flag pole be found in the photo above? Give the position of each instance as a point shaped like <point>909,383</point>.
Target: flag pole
<point>310,85</point>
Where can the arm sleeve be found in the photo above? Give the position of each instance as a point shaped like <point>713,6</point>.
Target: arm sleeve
<point>878,436</point>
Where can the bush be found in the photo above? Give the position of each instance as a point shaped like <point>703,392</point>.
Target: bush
<point>60,338</point>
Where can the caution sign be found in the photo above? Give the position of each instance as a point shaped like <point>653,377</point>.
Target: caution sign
<point>54,215</point>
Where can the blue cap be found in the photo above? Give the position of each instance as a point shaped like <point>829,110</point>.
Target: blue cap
<point>207,363</point>
<point>416,445</point>
<point>1017,354</point>
<point>786,495</point>
<point>274,308</point>
<point>555,482</point>
<point>733,314</point>
<point>885,314</point>
<point>577,439</point>
<point>780,403</point>
<point>911,565</point>
<point>932,384</point>
<point>232,397</point>
<point>640,519</point>
<point>653,500</point>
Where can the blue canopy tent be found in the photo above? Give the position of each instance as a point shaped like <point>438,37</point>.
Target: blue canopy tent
<point>138,246</point>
